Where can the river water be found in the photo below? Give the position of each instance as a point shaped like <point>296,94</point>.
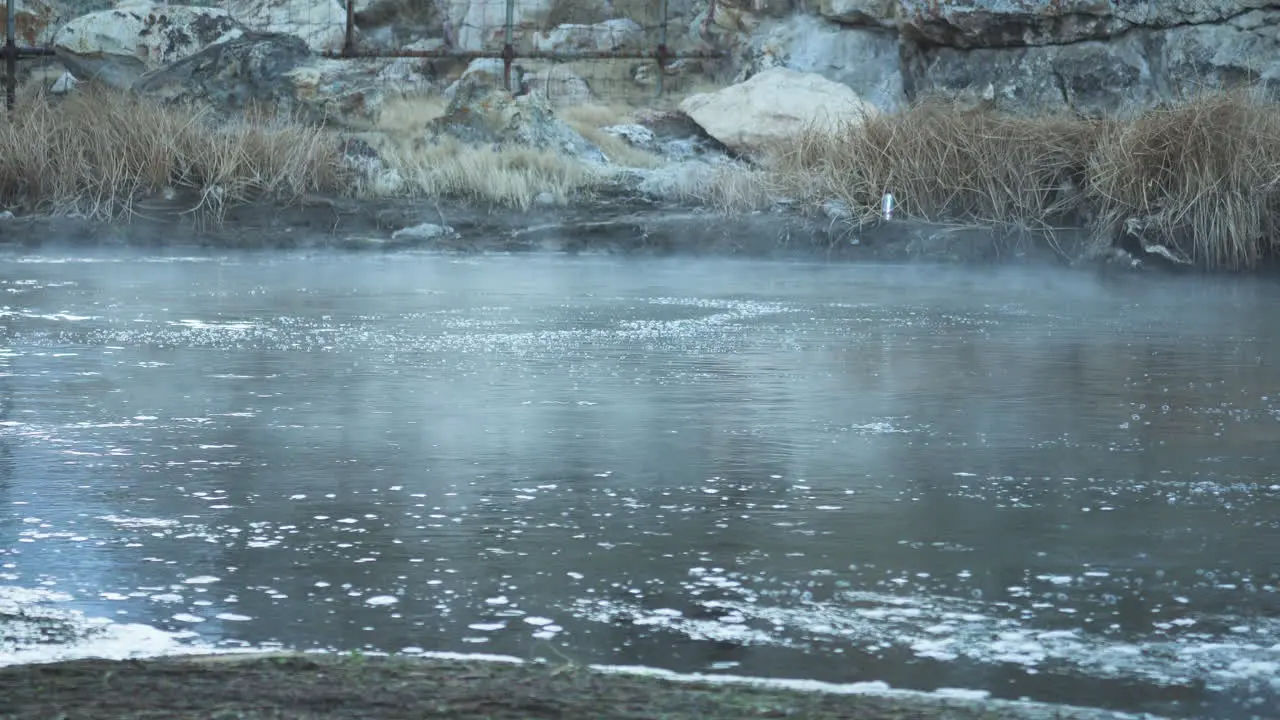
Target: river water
<point>1042,484</point>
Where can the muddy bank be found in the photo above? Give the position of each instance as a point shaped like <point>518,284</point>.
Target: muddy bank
<point>312,687</point>
<point>618,226</point>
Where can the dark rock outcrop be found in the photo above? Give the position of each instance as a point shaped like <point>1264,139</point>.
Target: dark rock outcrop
<point>273,73</point>
<point>1084,56</point>
<point>249,71</point>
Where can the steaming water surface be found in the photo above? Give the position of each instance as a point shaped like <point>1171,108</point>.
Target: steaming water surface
<point>1054,486</point>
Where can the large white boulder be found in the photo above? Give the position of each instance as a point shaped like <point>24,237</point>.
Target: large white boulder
<point>774,105</point>
<point>322,24</point>
<point>119,45</point>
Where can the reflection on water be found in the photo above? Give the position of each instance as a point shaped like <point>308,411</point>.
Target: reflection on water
<point>1048,485</point>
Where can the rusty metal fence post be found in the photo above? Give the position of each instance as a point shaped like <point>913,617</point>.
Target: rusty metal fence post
<point>508,46</point>
<point>349,39</point>
<point>663,51</point>
<point>10,57</point>
<point>12,53</point>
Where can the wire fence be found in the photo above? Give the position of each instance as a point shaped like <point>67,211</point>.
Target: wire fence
<point>13,52</point>
<point>593,42</point>
<point>554,32</point>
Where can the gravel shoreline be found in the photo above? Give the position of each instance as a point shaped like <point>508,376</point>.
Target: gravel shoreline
<point>327,687</point>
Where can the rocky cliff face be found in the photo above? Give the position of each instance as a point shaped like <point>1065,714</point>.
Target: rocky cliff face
<point>1088,56</point>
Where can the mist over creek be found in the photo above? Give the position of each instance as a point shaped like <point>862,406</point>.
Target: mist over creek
<point>1036,483</point>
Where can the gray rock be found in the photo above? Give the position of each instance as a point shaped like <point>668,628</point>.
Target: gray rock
<point>1089,56</point>
<point>608,35</point>
<point>636,135</point>
<point>251,70</point>
<point>1130,72</point>
<point>858,12</point>
<point>424,232</point>
<point>865,59</point>
<point>271,72</point>
<point>119,46</point>
<point>1090,77</point>
<point>1244,49</point>
<point>1007,23</point>
<point>483,114</point>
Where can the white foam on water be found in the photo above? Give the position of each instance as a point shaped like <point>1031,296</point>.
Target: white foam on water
<point>201,580</point>
<point>138,522</point>
<point>876,688</point>
<point>104,639</point>
<point>948,629</point>
<point>210,325</point>
<point>27,633</point>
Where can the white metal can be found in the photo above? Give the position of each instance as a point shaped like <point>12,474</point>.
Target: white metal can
<point>887,204</point>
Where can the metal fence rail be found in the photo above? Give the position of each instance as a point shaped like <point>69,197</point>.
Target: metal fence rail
<point>508,30</point>
<point>12,53</point>
<point>650,48</point>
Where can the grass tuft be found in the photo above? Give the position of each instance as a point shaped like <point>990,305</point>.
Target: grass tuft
<point>105,154</point>
<point>943,163</point>
<point>1203,176</point>
<point>1200,177</point>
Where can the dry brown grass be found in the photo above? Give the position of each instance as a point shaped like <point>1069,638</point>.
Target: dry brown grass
<point>1201,177</point>
<point>942,163</point>
<point>506,177</point>
<point>102,154</point>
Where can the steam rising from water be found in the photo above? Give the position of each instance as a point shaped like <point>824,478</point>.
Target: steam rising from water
<point>1024,484</point>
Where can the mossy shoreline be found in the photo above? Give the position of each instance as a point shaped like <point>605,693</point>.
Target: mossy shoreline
<point>324,687</point>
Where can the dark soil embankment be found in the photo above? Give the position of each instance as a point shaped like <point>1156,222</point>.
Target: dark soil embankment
<point>615,226</point>
<point>326,687</point>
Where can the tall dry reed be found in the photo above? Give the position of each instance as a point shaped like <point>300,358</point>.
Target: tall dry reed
<point>1201,177</point>
<point>946,163</point>
<point>103,154</point>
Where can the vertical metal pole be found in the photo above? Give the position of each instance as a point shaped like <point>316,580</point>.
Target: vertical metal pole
<point>662,47</point>
<point>349,43</point>
<point>446,25</point>
<point>508,48</point>
<point>10,58</point>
